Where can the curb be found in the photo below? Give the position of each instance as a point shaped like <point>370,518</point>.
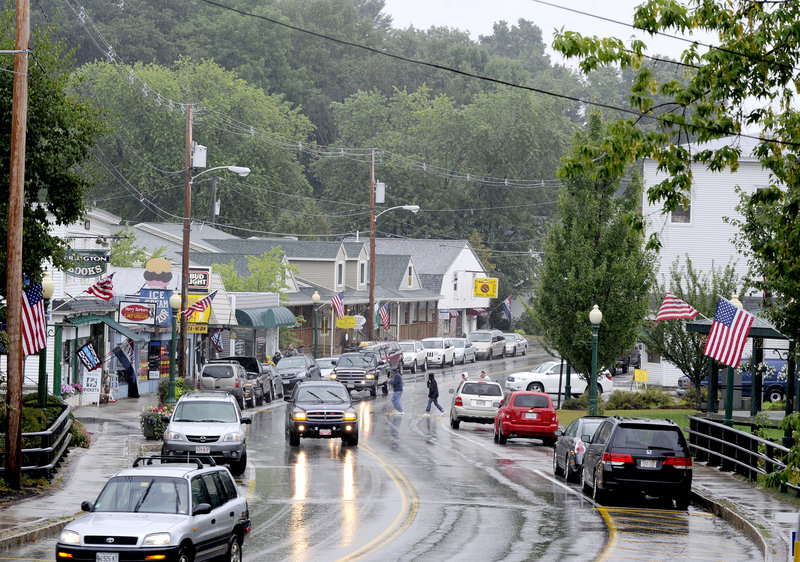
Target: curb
<point>48,529</point>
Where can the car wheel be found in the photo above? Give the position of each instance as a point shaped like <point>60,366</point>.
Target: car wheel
<point>352,441</point>
<point>556,469</point>
<point>373,391</point>
<point>494,427</point>
<point>234,549</point>
<point>444,362</point>
<point>385,389</point>
<point>473,358</point>
<point>294,439</point>
<point>569,473</point>
<point>489,355</point>
<point>775,395</point>
<point>525,350</point>
<point>502,439</point>
<point>184,555</point>
<point>514,353</point>
<point>251,403</point>
<point>453,361</point>
<point>598,495</point>
<point>237,467</point>
<point>260,398</point>
<point>584,483</point>
<point>454,423</point>
<point>425,366</point>
<point>536,387</point>
<point>242,404</point>
<point>682,500</point>
<point>402,366</point>
<point>464,359</point>
<point>414,367</point>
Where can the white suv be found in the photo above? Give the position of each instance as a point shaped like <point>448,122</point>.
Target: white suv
<point>441,351</point>
<point>475,401</point>
<point>414,355</point>
<point>160,512</point>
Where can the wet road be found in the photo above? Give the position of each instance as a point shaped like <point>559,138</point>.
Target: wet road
<point>416,489</point>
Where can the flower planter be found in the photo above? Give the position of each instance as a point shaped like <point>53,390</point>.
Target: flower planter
<point>149,428</point>
<point>73,400</point>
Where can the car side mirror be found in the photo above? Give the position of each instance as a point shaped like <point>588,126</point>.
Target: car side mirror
<point>202,509</point>
<point>86,506</point>
<point>558,433</point>
<point>586,438</point>
<point>287,397</point>
<point>246,420</point>
<point>452,391</point>
<point>165,419</point>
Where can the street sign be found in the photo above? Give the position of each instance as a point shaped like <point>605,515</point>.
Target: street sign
<point>346,322</point>
<point>360,321</point>
<point>640,375</point>
<point>485,287</point>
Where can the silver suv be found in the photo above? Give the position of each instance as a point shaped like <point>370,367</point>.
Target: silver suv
<point>488,343</point>
<point>160,512</point>
<point>208,424</point>
<point>229,376</point>
<point>475,401</point>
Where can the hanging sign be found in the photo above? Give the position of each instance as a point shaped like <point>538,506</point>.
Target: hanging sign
<point>88,356</point>
<point>89,263</point>
<point>346,322</point>
<point>134,312</point>
<point>91,387</point>
<point>199,280</point>
<point>485,287</point>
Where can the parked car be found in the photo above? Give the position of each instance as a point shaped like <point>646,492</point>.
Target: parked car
<point>774,388</point>
<point>441,351</point>
<point>571,445</point>
<point>488,343</point>
<point>475,401</point>
<point>208,424</point>
<point>227,376</point>
<point>321,410</point>
<point>515,344</point>
<point>275,379</point>
<point>326,366</point>
<point>181,512</point>
<point>258,386</point>
<point>297,368</point>
<point>526,414</point>
<point>546,378</point>
<point>414,355</point>
<point>464,350</point>
<point>364,370</point>
<point>389,351</point>
<point>638,455</point>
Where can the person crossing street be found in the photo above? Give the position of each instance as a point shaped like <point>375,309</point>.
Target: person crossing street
<point>433,395</point>
<point>397,386</point>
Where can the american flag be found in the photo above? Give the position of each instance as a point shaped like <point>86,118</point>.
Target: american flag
<point>383,312</point>
<point>507,308</point>
<point>103,289</point>
<point>34,319</point>
<point>674,308</point>
<point>728,333</point>
<point>337,301</point>
<point>200,305</point>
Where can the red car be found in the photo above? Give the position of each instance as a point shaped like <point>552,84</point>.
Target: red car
<point>526,414</point>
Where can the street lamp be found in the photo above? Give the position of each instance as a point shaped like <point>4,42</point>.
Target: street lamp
<point>174,304</point>
<point>595,317</point>
<point>187,228</point>
<point>315,304</point>
<point>372,216</point>
<point>48,286</point>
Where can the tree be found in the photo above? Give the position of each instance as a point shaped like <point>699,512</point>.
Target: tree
<point>268,274</point>
<point>745,83</point>
<point>669,338</point>
<point>124,253</point>
<point>61,131</point>
<point>591,256</point>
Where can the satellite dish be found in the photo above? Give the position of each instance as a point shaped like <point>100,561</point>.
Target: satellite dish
<point>360,320</point>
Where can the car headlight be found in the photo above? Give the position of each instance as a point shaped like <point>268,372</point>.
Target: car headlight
<point>301,375</point>
<point>174,436</point>
<point>156,539</point>
<point>299,416</point>
<point>349,416</point>
<point>333,376</point>
<point>69,537</point>
<point>370,375</point>
<point>235,436</point>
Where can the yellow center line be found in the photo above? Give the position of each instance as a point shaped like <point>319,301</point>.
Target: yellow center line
<point>408,510</point>
<point>611,545</point>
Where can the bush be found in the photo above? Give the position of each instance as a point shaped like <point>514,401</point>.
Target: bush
<point>151,420</point>
<point>182,386</point>
<point>582,403</point>
<point>652,398</point>
<point>80,437</point>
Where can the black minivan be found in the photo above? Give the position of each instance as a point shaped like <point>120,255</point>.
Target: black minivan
<point>638,456</point>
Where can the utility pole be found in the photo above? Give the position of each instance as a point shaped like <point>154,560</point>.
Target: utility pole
<point>371,311</point>
<point>16,201</point>
<point>187,226</point>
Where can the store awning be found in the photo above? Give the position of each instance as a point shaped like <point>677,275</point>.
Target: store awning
<point>453,313</point>
<point>265,318</point>
<point>477,312</point>
<point>111,323</point>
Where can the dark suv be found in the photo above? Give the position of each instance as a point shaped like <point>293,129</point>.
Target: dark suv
<point>638,455</point>
<point>362,371</point>
<point>321,410</point>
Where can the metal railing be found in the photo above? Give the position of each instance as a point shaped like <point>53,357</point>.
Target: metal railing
<point>733,450</point>
<point>52,446</point>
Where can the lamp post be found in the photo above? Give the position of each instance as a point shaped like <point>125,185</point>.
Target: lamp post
<point>595,317</point>
<point>315,304</point>
<point>174,304</point>
<point>187,227</point>
<point>372,216</point>
<point>48,286</point>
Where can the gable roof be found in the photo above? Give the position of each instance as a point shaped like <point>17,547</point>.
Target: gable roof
<point>292,249</point>
<point>430,256</point>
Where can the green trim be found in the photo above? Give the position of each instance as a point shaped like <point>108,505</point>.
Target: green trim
<point>265,318</point>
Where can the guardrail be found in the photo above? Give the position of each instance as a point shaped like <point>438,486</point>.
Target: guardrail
<point>53,446</point>
<point>733,450</point>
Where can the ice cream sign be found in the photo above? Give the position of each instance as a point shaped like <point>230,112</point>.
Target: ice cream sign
<point>137,312</point>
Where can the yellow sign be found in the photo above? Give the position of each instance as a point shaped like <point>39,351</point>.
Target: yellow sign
<point>196,317</point>
<point>485,287</point>
<point>346,322</point>
<point>640,375</point>
<point>198,329</point>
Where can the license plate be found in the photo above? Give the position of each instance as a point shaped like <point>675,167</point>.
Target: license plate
<point>482,402</point>
<point>324,431</point>
<point>531,416</point>
<point>107,557</point>
<point>648,463</point>
<point>202,449</point>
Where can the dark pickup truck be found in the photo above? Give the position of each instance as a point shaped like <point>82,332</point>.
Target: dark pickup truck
<point>364,370</point>
<point>774,388</point>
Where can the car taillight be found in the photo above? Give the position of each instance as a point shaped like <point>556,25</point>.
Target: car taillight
<point>678,462</point>
<point>580,447</point>
<point>617,459</point>
<point>459,402</point>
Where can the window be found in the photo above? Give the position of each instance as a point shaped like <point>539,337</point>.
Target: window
<point>410,276</point>
<point>216,494</point>
<point>682,215</point>
<point>199,493</point>
<point>362,273</point>
<point>653,357</point>
<point>340,274</point>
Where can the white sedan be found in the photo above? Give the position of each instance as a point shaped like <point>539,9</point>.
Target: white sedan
<point>515,345</point>
<point>546,377</point>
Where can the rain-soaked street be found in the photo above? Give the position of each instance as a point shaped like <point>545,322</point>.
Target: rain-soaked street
<point>416,489</point>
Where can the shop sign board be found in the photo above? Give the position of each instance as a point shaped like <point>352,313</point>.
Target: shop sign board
<point>485,287</point>
<point>134,312</point>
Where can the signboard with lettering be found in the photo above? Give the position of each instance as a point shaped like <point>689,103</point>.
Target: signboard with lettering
<point>485,287</point>
<point>89,263</point>
<point>197,329</point>
<point>199,279</point>
<point>91,387</point>
<point>132,312</point>
<point>346,322</point>
<point>160,297</point>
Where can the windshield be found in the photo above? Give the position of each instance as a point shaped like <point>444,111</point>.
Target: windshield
<point>459,342</point>
<point>195,411</point>
<point>334,394</point>
<point>326,363</point>
<point>480,336</point>
<point>144,494</point>
<point>407,347</point>
<point>433,344</point>
<point>292,362</point>
<point>362,361</point>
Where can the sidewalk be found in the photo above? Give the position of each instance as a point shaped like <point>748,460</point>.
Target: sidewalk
<point>117,440</point>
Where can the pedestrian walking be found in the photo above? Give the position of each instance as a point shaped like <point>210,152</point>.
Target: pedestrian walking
<point>484,376</point>
<point>433,394</point>
<point>397,386</point>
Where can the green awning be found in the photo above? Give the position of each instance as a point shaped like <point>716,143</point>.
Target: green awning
<point>265,318</point>
<point>111,323</point>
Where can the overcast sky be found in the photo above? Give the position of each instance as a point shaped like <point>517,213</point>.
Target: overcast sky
<point>478,16</point>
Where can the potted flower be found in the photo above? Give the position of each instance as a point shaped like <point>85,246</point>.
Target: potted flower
<point>151,420</point>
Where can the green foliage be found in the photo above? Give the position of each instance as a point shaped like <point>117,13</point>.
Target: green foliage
<point>582,403</point>
<point>791,474</point>
<point>694,398</point>
<point>151,420</point>
<point>652,398</point>
<point>267,273</point>
<point>182,386</point>
<point>124,252</point>
<point>592,257</point>
<point>80,437</point>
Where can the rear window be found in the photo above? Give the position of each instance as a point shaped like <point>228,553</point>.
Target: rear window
<point>218,371</point>
<point>433,344</point>
<point>481,389</point>
<point>408,347</point>
<point>480,336</point>
<point>531,401</point>
<point>647,438</point>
